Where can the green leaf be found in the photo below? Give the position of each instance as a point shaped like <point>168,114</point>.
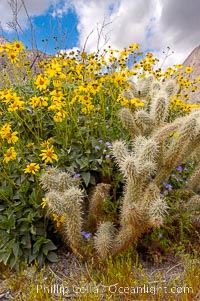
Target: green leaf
<point>4,257</point>
<point>52,257</point>
<point>86,177</point>
<point>16,249</point>
<point>33,229</point>
<point>32,257</point>
<point>45,250</point>
<point>51,245</point>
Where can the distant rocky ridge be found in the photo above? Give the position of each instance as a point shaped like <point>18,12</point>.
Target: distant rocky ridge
<point>193,60</point>
<point>32,55</point>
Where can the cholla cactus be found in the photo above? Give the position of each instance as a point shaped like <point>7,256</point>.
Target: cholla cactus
<point>64,198</point>
<point>145,164</point>
<point>153,156</point>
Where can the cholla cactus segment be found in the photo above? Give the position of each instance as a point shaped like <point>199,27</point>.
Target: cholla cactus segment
<point>119,151</point>
<point>73,224</point>
<point>73,196</point>
<point>128,121</point>
<point>55,202</point>
<point>193,209</point>
<point>130,167</point>
<point>157,211</point>
<point>66,181</point>
<point>149,150</point>
<point>104,238</point>
<point>49,179</point>
<point>143,121</point>
<point>124,238</point>
<point>194,180</point>
<point>132,92</point>
<point>159,109</point>
<point>56,180</point>
<point>171,88</point>
<point>101,192</point>
<point>132,214</point>
<point>155,87</point>
<point>144,86</point>
<point>179,144</point>
<point>147,169</point>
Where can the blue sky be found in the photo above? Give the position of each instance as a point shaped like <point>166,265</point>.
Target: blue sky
<point>154,24</point>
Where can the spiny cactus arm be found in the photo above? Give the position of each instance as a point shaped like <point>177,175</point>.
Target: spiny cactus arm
<point>119,151</point>
<point>66,181</point>
<point>69,206</point>
<point>144,86</point>
<point>159,109</point>
<point>171,87</point>
<point>143,121</point>
<point>128,121</point>
<point>194,180</point>
<point>178,144</point>
<point>151,192</point>
<point>160,134</point>
<point>192,207</point>
<point>103,240</point>
<point>60,181</point>
<point>124,238</point>
<point>73,198</point>
<point>132,91</point>
<point>50,179</point>
<point>157,210</point>
<point>100,193</point>
<point>149,150</point>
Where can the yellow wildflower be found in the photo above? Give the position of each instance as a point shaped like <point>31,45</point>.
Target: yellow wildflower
<point>11,137</point>
<point>56,95</point>
<point>46,143</point>
<point>13,57</point>
<point>137,102</point>
<point>38,101</point>
<point>48,155</point>
<point>32,168</point>
<point>18,46</point>
<point>188,69</point>
<point>58,219</point>
<point>10,155</point>
<point>30,144</point>
<point>42,82</point>
<point>43,203</point>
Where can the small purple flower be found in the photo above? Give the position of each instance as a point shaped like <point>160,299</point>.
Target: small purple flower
<point>107,156</point>
<point>77,175</point>
<point>108,143</point>
<point>86,234</point>
<point>168,186</point>
<point>162,196</point>
<point>97,147</point>
<point>160,235</point>
<point>179,168</point>
<point>100,140</point>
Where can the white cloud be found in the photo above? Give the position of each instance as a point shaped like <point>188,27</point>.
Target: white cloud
<point>155,24</point>
<point>18,9</point>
